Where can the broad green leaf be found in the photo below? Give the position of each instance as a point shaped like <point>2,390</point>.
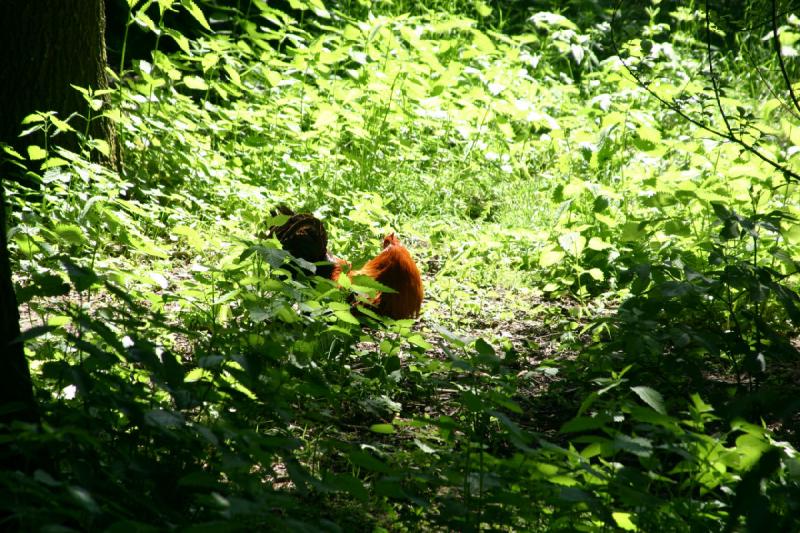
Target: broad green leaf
<point>60,124</point>
<point>573,243</point>
<point>193,238</point>
<point>36,153</point>
<point>550,258</point>
<point>101,145</point>
<point>750,448</point>
<point>418,340</point>
<point>623,521</point>
<point>596,243</point>
<point>346,316</point>
<point>639,446</point>
<point>549,21</point>
<point>482,8</point>
<point>34,332</point>
<point>164,419</point>
<point>792,234</point>
<point>81,277</point>
<point>142,19</point>
<point>596,274</point>
<point>482,42</point>
<point>651,397</point>
<point>583,423</point>
<point>70,233</point>
<point>649,134</point>
<point>209,60</point>
<point>181,41</point>
<point>552,287</point>
<point>196,13</point>
<point>632,231</point>
<point>367,461</point>
<point>195,82</point>
<point>13,153</point>
<point>346,483</point>
<point>33,118</point>
<point>163,6</point>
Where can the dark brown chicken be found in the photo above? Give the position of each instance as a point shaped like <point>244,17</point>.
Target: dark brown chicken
<point>304,236</point>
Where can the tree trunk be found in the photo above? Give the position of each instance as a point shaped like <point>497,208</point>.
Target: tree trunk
<point>16,390</point>
<point>45,47</point>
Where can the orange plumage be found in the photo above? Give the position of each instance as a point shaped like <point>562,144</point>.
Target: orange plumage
<point>395,268</point>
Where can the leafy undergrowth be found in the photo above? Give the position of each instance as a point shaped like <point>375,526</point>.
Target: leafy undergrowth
<point>610,293</point>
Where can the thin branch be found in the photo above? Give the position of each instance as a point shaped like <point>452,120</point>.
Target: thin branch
<point>788,173</point>
<point>770,89</point>
<point>777,42</point>
<point>713,76</point>
<point>754,27</point>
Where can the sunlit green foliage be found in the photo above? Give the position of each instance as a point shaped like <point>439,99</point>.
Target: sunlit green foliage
<point>186,378</point>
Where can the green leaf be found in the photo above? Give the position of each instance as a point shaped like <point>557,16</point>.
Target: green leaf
<point>367,461</point>
<point>346,316</point>
<point>193,238</point>
<point>367,282</point>
<point>573,243</point>
<point>419,341</point>
<point>596,274</point>
<point>164,419</point>
<point>624,521</point>
<point>195,82</point>
<point>163,6</point>
<point>319,8</point>
<point>33,118</point>
<point>648,134</point>
<point>651,397</point>
<point>82,278</point>
<point>36,153</point>
<point>54,162</point>
<point>142,19</point>
<point>70,233</point>
<point>550,258</point>
<point>209,60</point>
<point>13,153</point>
<point>596,243</point>
<point>483,9</point>
<point>482,42</point>
<point>636,445</point>
<point>195,374</point>
<point>484,348</point>
<point>633,231</point>
<point>84,499</point>
<point>60,124</point>
<point>196,12</point>
<point>750,447</point>
<point>382,428</point>
<point>181,41</point>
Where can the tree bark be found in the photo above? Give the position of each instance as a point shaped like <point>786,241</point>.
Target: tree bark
<point>16,389</point>
<point>45,47</point>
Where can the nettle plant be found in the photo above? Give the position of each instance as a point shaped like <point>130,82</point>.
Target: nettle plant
<point>731,301</point>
